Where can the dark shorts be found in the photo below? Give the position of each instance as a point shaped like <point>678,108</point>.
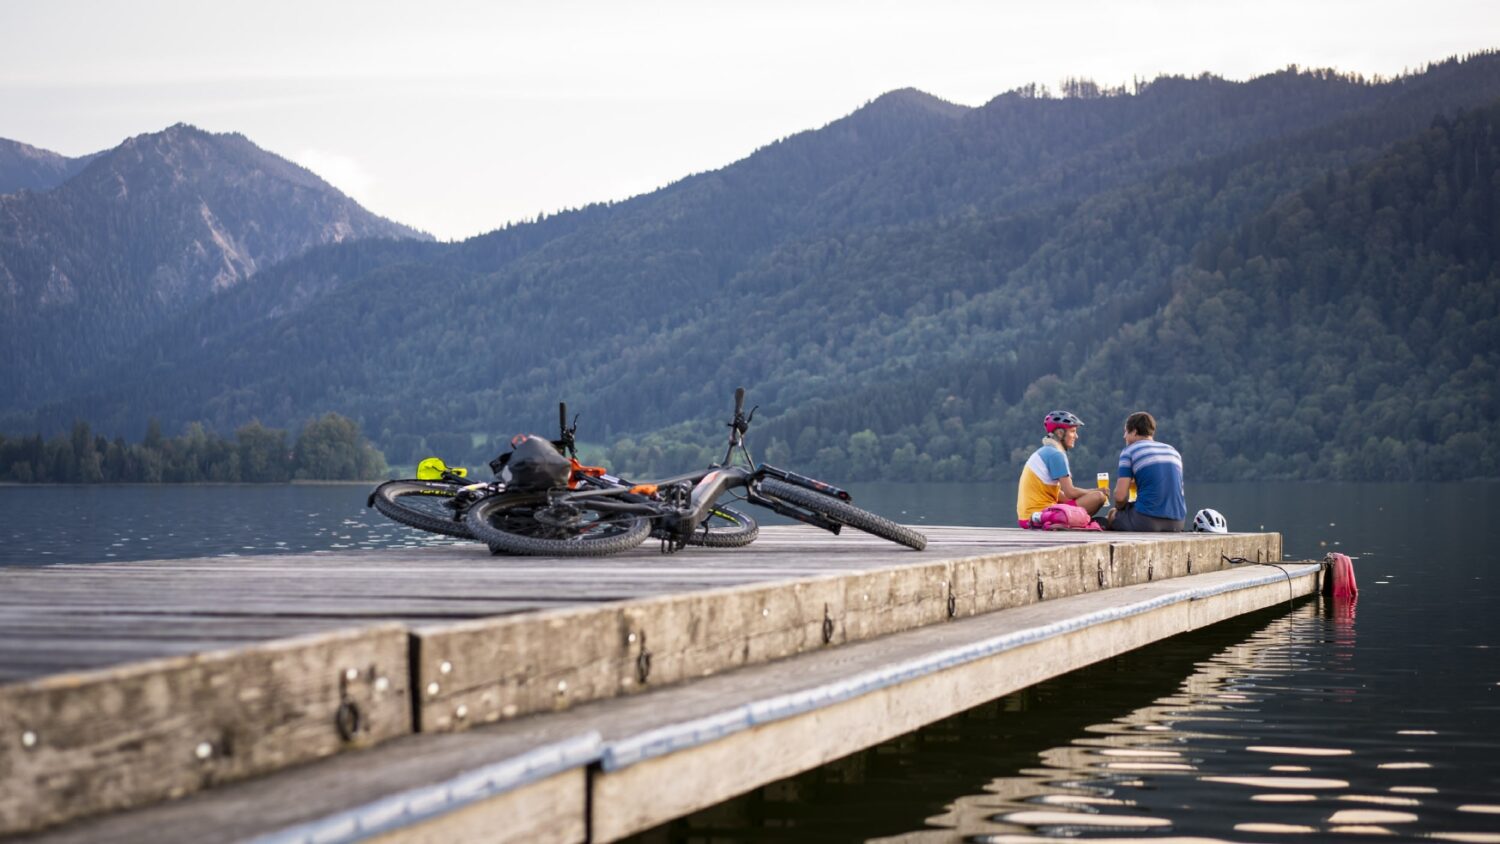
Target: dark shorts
<point>1127,518</point>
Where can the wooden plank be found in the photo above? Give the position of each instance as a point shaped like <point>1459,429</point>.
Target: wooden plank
<point>552,811</point>
<point>632,799</point>
<point>270,803</point>
<point>78,744</point>
<point>386,787</point>
<point>636,621</point>
<point>1176,555</point>
<point>483,671</point>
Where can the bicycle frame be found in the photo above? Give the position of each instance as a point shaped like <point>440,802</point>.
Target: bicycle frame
<point>687,500</point>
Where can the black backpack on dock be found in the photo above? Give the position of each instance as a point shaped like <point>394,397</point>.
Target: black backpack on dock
<point>532,463</point>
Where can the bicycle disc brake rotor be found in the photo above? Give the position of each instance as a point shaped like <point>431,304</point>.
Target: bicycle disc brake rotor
<point>562,516</point>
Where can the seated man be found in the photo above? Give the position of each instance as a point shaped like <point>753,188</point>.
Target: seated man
<point>1047,478</point>
<point>1156,470</point>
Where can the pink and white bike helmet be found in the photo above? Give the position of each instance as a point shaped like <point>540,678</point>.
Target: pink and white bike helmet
<point>1061,419</point>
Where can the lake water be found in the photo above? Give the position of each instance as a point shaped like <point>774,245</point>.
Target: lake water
<point>1306,723</point>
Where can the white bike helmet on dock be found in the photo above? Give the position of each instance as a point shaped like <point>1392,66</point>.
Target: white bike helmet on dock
<point>1210,521</point>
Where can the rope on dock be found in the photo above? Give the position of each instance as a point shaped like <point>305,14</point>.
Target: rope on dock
<point>1241,561</point>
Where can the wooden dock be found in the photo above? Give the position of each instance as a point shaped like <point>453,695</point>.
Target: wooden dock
<point>444,694</point>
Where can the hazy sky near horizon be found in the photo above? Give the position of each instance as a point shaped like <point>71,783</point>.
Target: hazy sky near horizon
<point>458,117</point>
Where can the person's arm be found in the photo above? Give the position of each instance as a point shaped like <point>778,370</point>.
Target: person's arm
<point>1069,491</point>
<point>1122,492</point>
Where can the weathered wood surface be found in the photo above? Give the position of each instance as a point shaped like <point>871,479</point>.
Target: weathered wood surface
<point>88,616</point>
<point>490,637</point>
<point>630,798</point>
<point>78,744</point>
<point>698,773</point>
<point>312,793</point>
<point>487,670</point>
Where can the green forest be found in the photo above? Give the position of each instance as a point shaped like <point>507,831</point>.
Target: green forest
<point>1329,338</point>
<point>1296,275</point>
<point>329,448</point>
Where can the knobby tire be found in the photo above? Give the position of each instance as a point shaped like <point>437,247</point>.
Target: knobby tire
<point>422,505</point>
<point>844,513</point>
<point>510,523</point>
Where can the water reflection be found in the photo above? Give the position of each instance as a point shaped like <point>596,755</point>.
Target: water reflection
<point>1206,755</point>
<point>1197,725</point>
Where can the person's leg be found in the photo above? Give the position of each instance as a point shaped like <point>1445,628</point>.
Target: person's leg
<point>1126,518</point>
<point>1129,519</point>
<point>1092,501</point>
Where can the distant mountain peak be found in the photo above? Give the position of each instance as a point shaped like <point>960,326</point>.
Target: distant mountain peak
<point>906,99</point>
<point>22,150</point>
<point>147,230</point>
<point>25,167</point>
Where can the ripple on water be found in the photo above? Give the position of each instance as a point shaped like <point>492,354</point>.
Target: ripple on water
<point>1281,782</point>
<point>1074,820</point>
<point>1300,751</point>
<point>1370,816</point>
<point>1379,799</point>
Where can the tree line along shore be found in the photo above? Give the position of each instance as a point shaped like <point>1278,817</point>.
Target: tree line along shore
<point>328,448</point>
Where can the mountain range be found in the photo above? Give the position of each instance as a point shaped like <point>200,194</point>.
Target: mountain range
<point>1295,273</point>
<point>99,251</point>
<point>24,167</point>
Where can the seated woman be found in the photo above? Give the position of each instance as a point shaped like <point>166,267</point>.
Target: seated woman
<point>1047,479</point>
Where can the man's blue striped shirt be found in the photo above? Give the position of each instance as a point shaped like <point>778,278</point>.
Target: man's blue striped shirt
<point>1157,470</point>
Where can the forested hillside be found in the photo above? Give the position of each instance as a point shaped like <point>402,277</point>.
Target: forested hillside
<point>1296,274</point>
<point>1350,331</point>
<point>139,235</point>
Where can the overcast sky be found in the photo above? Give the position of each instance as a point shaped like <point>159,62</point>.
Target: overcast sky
<point>459,117</point>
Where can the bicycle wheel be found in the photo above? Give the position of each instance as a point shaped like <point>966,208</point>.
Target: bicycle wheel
<point>726,528</point>
<point>425,505</point>
<point>844,513</point>
<point>526,523</point>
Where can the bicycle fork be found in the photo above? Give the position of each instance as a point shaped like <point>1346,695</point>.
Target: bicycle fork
<point>803,481</point>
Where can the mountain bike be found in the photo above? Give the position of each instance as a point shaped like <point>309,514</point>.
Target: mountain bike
<point>438,505</point>
<point>595,519</point>
<point>434,505</point>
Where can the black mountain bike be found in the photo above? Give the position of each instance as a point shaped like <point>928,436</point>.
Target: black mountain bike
<point>439,505</point>
<point>595,519</point>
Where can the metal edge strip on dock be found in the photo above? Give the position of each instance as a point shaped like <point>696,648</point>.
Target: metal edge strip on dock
<point>664,740</point>
<point>420,804</point>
